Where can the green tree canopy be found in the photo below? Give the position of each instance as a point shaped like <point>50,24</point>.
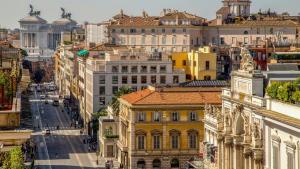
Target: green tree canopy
<point>14,159</point>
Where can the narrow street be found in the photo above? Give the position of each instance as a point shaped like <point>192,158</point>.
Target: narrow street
<point>63,148</point>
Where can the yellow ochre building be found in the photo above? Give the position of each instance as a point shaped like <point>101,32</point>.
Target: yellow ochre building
<point>198,65</point>
<point>162,128</point>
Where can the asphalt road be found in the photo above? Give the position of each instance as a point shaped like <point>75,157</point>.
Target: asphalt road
<point>63,148</point>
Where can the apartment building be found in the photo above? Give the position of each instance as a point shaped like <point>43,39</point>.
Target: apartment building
<point>161,129</point>
<point>170,32</point>
<point>96,33</point>
<point>109,68</point>
<point>198,65</point>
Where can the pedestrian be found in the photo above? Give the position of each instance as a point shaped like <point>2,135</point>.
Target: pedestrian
<point>89,148</point>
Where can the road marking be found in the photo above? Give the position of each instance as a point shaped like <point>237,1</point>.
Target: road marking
<point>44,141</point>
<point>72,147</point>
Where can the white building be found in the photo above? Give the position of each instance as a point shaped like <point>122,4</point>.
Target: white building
<point>96,33</point>
<point>39,38</point>
<point>109,70</point>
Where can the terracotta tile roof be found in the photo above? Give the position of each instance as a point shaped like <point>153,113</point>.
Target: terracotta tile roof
<point>263,23</point>
<point>181,15</point>
<point>137,21</point>
<point>151,97</point>
<point>212,22</point>
<point>223,10</point>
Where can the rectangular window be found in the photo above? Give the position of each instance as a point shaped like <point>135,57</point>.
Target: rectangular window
<point>124,69</point>
<point>133,88</point>
<point>141,142</point>
<point>164,40</point>
<point>193,141</point>
<point>124,79</point>
<point>113,30</point>
<point>153,69</point>
<point>143,30</point>
<point>132,30</point>
<point>246,40</point>
<point>143,69</point>
<point>173,30</point>
<point>163,30</point>
<point>175,79</point>
<point>153,40</point>
<point>183,30</point>
<point>122,31</point>
<point>174,40</point>
<point>102,79</point>
<point>134,69</point>
<point>184,62</point>
<point>134,79</point>
<point>206,65</point>
<point>222,41</point>
<point>156,116</point>
<point>193,116</point>
<point>175,116</point>
<point>115,80</point>
<point>175,141</point>
<point>115,89</point>
<point>162,79</point>
<point>162,69</point>
<point>115,69</point>
<point>102,90</point>
<point>156,142</point>
<point>141,116</point>
<point>152,30</point>
<point>143,40</point>
<point>133,40</point>
<point>102,100</point>
<point>153,79</point>
<point>143,79</point>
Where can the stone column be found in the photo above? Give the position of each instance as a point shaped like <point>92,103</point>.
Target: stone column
<point>228,152</point>
<point>238,153</point>
<point>258,158</point>
<point>246,154</point>
<point>220,151</point>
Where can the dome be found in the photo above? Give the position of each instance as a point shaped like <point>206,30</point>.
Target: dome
<point>64,21</point>
<point>33,19</point>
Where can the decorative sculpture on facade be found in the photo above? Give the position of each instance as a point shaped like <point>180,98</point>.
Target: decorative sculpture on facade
<point>65,14</point>
<point>32,12</point>
<point>247,63</point>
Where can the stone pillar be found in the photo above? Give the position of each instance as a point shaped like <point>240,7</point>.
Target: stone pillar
<point>228,152</point>
<point>220,151</point>
<point>247,154</point>
<point>238,153</point>
<point>258,158</point>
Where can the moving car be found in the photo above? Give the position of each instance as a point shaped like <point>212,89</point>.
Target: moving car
<point>47,132</point>
<point>42,96</point>
<point>55,102</point>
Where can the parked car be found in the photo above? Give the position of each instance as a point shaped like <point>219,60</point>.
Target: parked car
<point>42,96</point>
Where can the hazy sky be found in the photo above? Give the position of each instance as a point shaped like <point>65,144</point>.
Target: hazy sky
<point>98,10</point>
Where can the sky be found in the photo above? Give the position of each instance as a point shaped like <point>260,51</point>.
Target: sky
<point>94,11</point>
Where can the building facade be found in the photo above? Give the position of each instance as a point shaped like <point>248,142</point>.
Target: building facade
<point>198,65</point>
<point>96,33</point>
<point>161,129</point>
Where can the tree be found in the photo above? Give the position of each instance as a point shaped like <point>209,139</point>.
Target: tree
<point>296,96</point>
<point>115,100</point>
<point>272,89</point>
<point>14,159</point>
<point>284,92</point>
<point>39,75</point>
<point>23,53</point>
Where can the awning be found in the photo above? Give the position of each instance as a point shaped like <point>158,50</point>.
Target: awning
<point>83,53</point>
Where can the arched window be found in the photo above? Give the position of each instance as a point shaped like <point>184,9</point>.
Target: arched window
<point>246,33</point>
<point>156,164</point>
<point>141,164</point>
<point>174,163</point>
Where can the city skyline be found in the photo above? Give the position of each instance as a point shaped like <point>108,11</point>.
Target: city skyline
<point>97,11</point>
